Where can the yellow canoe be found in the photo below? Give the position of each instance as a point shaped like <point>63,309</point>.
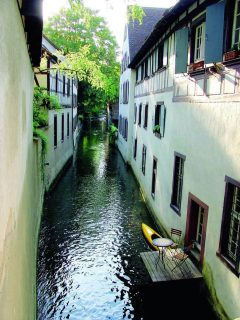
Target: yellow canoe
<point>150,234</point>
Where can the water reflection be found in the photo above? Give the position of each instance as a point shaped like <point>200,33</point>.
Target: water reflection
<point>89,266</point>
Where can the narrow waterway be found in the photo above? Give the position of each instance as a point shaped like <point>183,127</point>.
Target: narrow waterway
<point>89,265</point>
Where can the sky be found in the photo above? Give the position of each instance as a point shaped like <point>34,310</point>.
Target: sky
<point>115,14</point>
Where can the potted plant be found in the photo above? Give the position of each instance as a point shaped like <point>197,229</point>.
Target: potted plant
<point>233,53</point>
<point>156,130</point>
<point>199,65</point>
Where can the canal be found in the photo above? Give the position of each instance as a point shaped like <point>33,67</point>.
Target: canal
<point>89,265</point>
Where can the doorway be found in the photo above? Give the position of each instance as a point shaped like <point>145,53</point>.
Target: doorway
<point>196,226</point>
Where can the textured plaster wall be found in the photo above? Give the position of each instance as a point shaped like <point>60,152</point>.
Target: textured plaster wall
<point>20,182</point>
<point>208,135</point>
<point>127,110</point>
<point>58,156</point>
<point>205,130</point>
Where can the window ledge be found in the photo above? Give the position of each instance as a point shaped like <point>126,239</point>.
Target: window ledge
<point>161,69</point>
<point>145,127</point>
<point>196,73</point>
<point>231,61</point>
<point>158,135</point>
<point>153,195</point>
<point>197,66</point>
<point>227,263</point>
<point>175,209</point>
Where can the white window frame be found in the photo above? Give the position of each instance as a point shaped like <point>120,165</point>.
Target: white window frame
<point>236,14</point>
<point>199,46</point>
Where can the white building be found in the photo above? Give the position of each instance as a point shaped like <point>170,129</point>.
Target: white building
<point>134,36</point>
<point>63,128</point>
<point>183,143</point>
<point>21,192</point>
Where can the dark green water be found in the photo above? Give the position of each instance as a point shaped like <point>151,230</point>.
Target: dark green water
<point>89,265</point>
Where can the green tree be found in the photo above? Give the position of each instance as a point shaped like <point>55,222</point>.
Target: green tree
<point>90,50</point>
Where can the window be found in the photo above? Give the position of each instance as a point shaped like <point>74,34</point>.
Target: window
<point>125,92</point>
<point>135,149</point>
<point>236,24</point>
<point>140,115</point>
<point>68,87</point>
<point>62,127</point>
<point>199,45</point>
<point>159,120</point>
<point>55,131</point>
<point>144,152</point>
<point>146,68</point>
<point>145,116</point>
<point>126,129</point>
<point>142,71</point>
<point>160,56</point>
<point>230,232</point>
<point>56,87</point>
<point>177,182</point>
<point>154,177</point>
<point>155,55</point>
<point>137,70</point>
<point>135,113</point>
<point>68,122</point>
<point>64,81</point>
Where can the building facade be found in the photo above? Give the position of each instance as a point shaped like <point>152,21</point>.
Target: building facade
<point>21,191</point>
<point>184,137</point>
<point>63,127</point>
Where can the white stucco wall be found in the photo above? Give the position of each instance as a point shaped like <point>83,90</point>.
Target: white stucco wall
<point>58,156</point>
<point>20,183</point>
<point>127,110</point>
<point>207,134</point>
<point>201,123</point>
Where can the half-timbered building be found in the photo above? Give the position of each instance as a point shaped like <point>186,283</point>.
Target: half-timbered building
<point>183,136</point>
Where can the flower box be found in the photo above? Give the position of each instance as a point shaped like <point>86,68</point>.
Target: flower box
<point>196,66</point>
<point>231,55</point>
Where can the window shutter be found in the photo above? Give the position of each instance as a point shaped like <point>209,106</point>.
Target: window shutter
<point>162,120</point>
<point>214,32</point>
<point>181,50</point>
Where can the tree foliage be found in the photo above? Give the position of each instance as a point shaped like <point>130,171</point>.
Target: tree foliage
<point>90,50</point>
<point>135,13</point>
<point>42,102</point>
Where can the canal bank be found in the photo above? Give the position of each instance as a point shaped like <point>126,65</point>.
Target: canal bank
<point>89,264</point>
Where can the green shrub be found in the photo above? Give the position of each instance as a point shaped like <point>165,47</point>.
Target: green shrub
<point>113,134</point>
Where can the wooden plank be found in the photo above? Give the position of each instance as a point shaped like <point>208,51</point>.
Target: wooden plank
<point>149,266</point>
<point>158,273</point>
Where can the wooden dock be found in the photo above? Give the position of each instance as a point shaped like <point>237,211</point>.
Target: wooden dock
<point>158,273</point>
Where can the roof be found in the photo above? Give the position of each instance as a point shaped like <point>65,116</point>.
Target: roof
<point>161,26</point>
<point>49,45</point>
<point>137,33</point>
<point>32,11</point>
